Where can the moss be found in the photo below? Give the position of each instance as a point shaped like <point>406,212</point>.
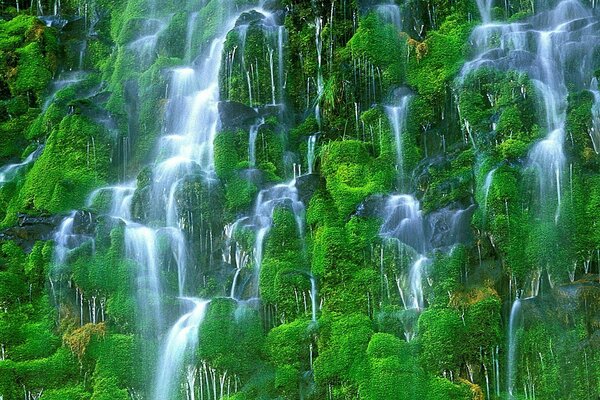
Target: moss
<point>232,339</point>
<point>434,63</point>
<point>441,333</point>
<point>343,354</point>
<point>352,174</point>
<point>383,47</point>
<point>75,160</point>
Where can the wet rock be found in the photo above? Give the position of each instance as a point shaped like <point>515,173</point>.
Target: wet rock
<point>75,27</point>
<point>250,17</point>
<point>307,185</point>
<point>372,206</point>
<point>30,229</point>
<point>84,223</point>
<point>234,115</point>
<point>270,110</point>
<point>449,226</point>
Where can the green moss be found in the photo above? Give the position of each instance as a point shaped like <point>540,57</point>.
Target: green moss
<point>383,47</point>
<point>352,174</point>
<point>75,160</point>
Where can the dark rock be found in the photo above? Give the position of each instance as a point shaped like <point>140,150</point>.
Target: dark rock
<point>234,115</point>
<point>253,175</point>
<point>307,185</point>
<point>30,229</point>
<point>372,206</point>
<point>84,223</point>
<point>449,226</point>
<point>250,17</point>
<point>74,28</point>
<point>270,110</point>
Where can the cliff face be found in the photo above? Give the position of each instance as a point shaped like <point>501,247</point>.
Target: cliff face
<point>225,199</point>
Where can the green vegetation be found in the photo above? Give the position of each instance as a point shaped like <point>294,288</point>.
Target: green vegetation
<point>77,329</point>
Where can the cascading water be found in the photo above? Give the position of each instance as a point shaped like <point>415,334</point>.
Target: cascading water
<point>485,10</point>
<point>595,129</point>
<point>512,347</point>
<point>390,13</point>
<point>66,238</point>
<point>489,179</point>
<point>544,47</point>
<point>182,337</point>
<point>405,224</point>
<point>310,154</point>
<point>547,46</point>
<point>10,171</point>
<point>416,284</point>
<point>252,142</point>
<point>397,115</point>
<point>261,221</point>
<point>145,44</point>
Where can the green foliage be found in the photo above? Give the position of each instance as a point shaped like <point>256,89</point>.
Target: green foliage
<point>352,174</point>
<point>231,338</point>
<point>382,46</point>
<point>343,357</point>
<point>75,160</point>
<point>441,331</point>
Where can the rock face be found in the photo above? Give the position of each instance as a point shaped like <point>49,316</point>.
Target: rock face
<point>307,185</point>
<point>30,229</point>
<point>234,115</point>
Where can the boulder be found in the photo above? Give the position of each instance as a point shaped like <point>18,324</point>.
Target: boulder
<point>307,185</point>
<point>234,116</point>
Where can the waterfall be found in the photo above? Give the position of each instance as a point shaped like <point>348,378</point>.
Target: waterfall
<point>313,298</point>
<point>489,179</point>
<point>485,10</point>
<point>544,47</point>
<point>404,222</point>
<point>320,82</point>
<point>310,153</point>
<point>145,44</point>
<point>416,282</point>
<point>595,129</point>
<point>512,348</point>
<point>390,13</point>
<point>261,221</point>
<point>182,338</point>
<point>10,171</point>
<point>141,245</point>
<point>68,236</point>
<point>252,142</point>
<point>397,115</point>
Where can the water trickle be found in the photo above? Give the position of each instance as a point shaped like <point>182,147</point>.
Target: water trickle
<point>404,222</point>
<point>182,338</point>
<point>416,282</point>
<point>10,171</point>
<point>545,47</point>
<point>64,80</point>
<point>397,115</point>
<point>390,13</point>
<point>512,348</point>
<point>66,238</point>
<point>595,129</point>
<point>266,203</point>
<point>313,298</point>
<point>145,44</point>
<point>489,179</point>
<point>320,81</point>
<point>252,142</point>
<point>310,154</point>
